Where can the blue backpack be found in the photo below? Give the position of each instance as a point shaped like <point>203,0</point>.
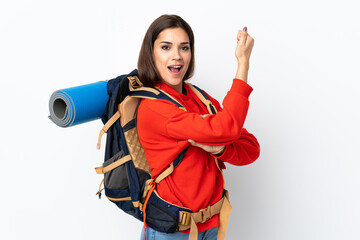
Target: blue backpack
<point>127,175</point>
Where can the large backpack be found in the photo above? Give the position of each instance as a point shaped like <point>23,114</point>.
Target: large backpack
<point>127,176</point>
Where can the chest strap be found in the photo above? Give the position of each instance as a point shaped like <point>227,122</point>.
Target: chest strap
<point>189,220</point>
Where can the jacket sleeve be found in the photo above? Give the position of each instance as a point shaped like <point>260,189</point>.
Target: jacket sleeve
<point>242,151</point>
<point>179,125</point>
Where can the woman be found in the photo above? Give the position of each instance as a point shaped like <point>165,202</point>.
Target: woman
<point>166,60</point>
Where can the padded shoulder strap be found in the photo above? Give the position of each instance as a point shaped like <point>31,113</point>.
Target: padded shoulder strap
<point>138,90</point>
<point>152,93</point>
<point>204,98</point>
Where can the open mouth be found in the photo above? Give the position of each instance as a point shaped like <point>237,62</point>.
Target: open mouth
<point>175,68</point>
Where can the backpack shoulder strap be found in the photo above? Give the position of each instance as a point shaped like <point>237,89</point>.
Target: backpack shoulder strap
<point>137,89</point>
<point>203,97</point>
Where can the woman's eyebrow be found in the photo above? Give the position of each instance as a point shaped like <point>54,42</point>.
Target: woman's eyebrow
<point>166,42</point>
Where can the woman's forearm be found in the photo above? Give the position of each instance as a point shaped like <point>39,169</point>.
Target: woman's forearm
<point>242,71</point>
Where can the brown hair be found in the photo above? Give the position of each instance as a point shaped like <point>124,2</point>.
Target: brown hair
<point>147,71</point>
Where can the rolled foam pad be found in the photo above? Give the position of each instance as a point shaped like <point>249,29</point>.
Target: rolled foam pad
<point>76,105</point>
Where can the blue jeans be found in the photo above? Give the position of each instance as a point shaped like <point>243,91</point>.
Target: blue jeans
<point>151,234</point>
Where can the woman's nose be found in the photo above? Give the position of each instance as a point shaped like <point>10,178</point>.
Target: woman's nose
<point>176,54</point>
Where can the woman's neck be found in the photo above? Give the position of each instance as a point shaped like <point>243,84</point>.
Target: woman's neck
<point>179,88</point>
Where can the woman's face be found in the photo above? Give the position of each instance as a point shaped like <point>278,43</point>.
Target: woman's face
<point>172,56</point>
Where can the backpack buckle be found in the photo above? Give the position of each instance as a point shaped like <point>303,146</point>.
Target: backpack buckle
<point>135,82</point>
<point>184,218</point>
<point>205,214</point>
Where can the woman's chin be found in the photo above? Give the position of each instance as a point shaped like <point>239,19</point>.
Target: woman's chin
<point>174,79</point>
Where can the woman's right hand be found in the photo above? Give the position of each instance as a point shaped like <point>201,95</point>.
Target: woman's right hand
<point>243,50</point>
<point>244,46</point>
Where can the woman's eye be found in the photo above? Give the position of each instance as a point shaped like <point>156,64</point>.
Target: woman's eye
<point>185,48</point>
<point>165,47</point>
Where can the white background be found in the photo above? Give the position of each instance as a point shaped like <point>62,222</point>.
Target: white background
<point>304,112</point>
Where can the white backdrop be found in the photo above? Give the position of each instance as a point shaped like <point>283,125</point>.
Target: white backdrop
<point>304,112</point>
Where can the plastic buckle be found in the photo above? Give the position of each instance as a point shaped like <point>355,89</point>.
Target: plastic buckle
<point>135,82</point>
<point>184,218</point>
<point>205,214</point>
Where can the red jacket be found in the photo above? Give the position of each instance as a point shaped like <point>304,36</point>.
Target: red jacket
<point>164,130</point>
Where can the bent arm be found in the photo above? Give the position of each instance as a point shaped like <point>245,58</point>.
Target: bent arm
<point>243,151</point>
<point>223,128</point>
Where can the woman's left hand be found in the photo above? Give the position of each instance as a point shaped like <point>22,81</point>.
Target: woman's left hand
<point>216,150</point>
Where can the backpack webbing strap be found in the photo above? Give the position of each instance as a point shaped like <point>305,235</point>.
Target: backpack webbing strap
<point>119,199</point>
<point>134,82</point>
<point>165,173</point>
<point>204,98</point>
<point>189,220</point>
<point>152,185</point>
<point>106,127</point>
<point>136,85</point>
<point>171,98</point>
<point>217,165</point>
<point>102,170</point>
<point>224,217</point>
<point>147,89</point>
<point>225,208</point>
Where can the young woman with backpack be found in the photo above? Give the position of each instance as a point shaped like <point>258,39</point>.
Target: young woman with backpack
<point>166,61</point>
